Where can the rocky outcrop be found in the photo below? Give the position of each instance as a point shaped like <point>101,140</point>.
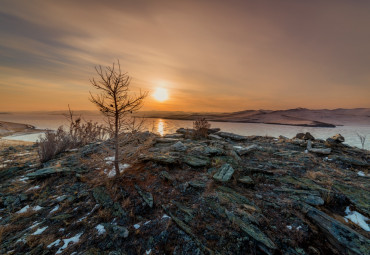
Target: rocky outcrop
<point>224,194</point>
<point>224,174</point>
<point>339,235</point>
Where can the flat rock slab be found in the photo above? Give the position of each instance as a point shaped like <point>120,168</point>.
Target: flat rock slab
<point>45,172</point>
<point>338,234</point>
<point>224,174</point>
<point>241,150</point>
<point>174,136</point>
<point>231,136</point>
<point>197,161</point>
<point>148,197</point>
<point>246,180</point>
<point>166,140</point>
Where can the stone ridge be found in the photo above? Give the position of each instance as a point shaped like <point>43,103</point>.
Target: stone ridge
<point>225,194</point>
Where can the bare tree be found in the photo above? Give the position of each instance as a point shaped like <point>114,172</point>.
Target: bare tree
<point>115,102</point>
<point>362,139</point>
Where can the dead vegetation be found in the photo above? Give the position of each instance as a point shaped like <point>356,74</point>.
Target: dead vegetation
<point>201,127</point>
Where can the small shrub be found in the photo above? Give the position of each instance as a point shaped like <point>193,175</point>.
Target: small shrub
<point>84,133</point>
<point>79,134</point>
<point>362,139</point>
<point>201,127</point>
<point>53,143</point>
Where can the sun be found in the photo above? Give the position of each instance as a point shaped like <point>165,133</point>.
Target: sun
<point>160,94</point>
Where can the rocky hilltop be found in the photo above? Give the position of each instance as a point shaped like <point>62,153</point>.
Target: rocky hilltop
<point>225,194</point>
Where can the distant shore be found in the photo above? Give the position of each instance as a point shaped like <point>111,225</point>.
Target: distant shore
<point>10,128</point>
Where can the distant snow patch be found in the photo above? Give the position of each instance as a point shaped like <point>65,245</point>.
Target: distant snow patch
<point>289,227</point>
<point>148,252</point>
<point>357,218</point>
<point>39,231</point>
<point>100,228</point>
<point>74,239</point>
<point>137,226</point>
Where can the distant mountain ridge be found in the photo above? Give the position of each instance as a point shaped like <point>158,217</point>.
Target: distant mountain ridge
<point>293,117</point>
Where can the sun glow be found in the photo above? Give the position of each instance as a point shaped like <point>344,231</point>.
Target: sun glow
<point>160,94</point>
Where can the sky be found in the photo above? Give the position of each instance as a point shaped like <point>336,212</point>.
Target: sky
<point>215,55</point>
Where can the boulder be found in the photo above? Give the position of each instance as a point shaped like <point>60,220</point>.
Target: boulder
<point>179,146</point>
<point>185,131</point>
<point>324,151</point>
<point>338,138</point>
<point>164,158</point>
<point>167,176</point>
<point>213,130</point>
<point>102,197</point>
<point>214,137</point>
<point>115,231</point>
<point>224,174</point>
<point>305,136</point>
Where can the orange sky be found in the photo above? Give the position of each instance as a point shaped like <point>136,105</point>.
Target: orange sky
<point>210,55</point>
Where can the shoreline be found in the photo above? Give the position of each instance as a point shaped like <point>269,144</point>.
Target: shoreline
<point>11,128</point>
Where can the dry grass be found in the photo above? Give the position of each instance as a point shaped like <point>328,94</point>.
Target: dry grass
<point>7,229</point>
<point>104,214</point>
<point>314,175</point>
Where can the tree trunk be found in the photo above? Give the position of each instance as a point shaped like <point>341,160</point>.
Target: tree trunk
<point>116,162</point>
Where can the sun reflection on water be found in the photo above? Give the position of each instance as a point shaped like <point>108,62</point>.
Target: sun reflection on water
<point>160,127</point>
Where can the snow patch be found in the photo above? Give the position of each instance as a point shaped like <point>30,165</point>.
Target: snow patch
<point>357,218</point>
<point>24,209</point>
<point>148,252</point>
<point>35,224</point>
<point>61,198</point>
<point>33,188</point>
<point>39,231</point>
<point>137,226</point>
<point>37,208</point>
<point>56,208</point>
<point>74,239</point>
<point>55,243</point>
<point>112,172</point>
<point>100,228</point>
<point>289,227</point>
<point>23,179</point>
<point>165,216</point>
<point>23,154</point>
<point>360,173</point>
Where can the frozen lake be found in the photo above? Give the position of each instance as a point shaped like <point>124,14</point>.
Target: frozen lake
<point>165,126</point>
